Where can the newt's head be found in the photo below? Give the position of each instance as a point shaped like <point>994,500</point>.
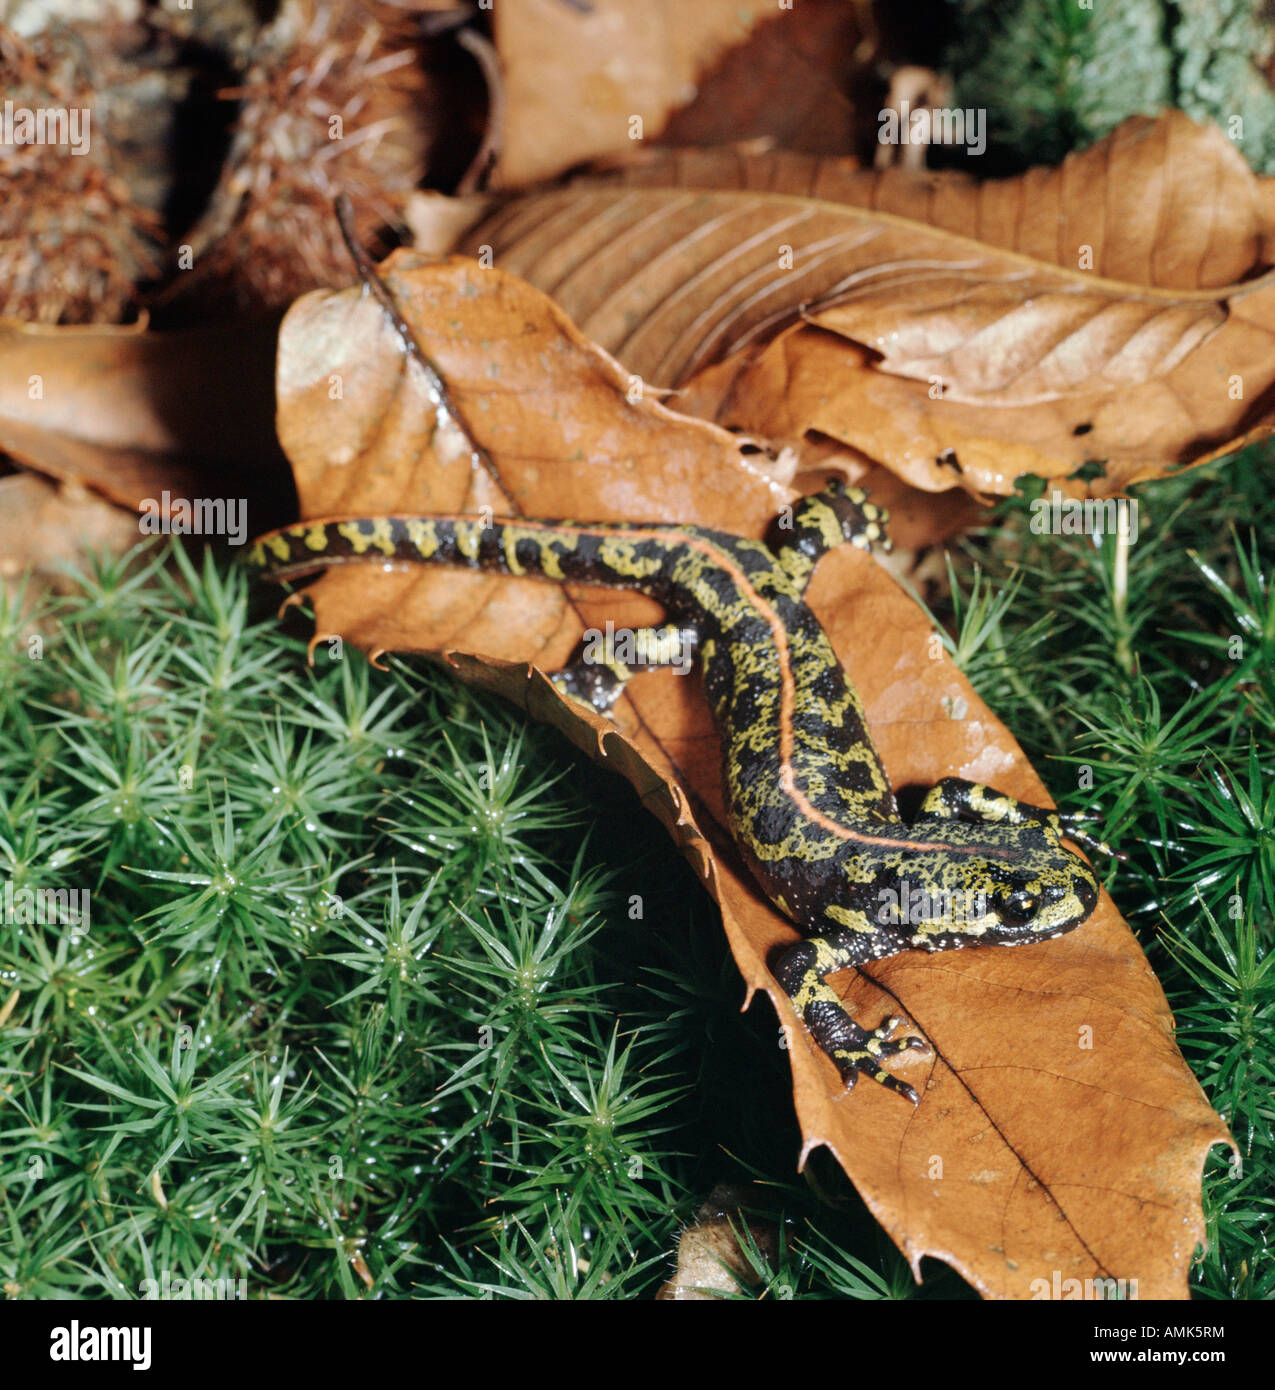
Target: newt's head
<point>841,513</point>
<point>1047,900</point>
<point>838,515</point>
<point>1000,886</point>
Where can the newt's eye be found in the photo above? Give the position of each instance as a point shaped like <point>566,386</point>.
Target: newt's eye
<point>1017,909</point>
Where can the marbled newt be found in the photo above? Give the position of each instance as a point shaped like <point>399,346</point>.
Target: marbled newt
<point>807,797</point>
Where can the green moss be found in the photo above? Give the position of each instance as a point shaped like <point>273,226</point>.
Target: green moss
<point>365,1009</point>
<point>1054,74</point>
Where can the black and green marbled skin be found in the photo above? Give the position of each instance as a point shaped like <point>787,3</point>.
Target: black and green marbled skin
<point>808,800</point>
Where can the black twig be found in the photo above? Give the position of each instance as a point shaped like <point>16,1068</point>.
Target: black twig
<point>380,291</point>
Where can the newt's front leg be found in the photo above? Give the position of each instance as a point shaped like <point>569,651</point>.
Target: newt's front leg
<point>956,798</point>
<point>608,661</point>
<point>802,971</point>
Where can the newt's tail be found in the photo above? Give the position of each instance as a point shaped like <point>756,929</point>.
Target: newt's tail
<point>622,555</point>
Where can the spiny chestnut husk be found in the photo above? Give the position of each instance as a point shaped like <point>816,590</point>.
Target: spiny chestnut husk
<point>74,244</point>
<point>336,100</point>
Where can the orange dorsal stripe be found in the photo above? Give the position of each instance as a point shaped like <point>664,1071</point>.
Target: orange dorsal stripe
<point>779,635</point>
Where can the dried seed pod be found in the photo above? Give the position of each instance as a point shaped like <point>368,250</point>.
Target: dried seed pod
<point>335,101</point>
<point>712,1255</point>
<point>74,243</point>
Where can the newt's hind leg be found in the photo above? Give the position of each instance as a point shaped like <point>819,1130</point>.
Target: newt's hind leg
<point>609,660</point>
<point>838,515</point>
<point>802,971</point>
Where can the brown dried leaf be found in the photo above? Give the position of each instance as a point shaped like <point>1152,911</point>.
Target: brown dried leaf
<point>130,413</point>
<point>576,76</point>
<point>1161,201</point>
<point>962,352</point>
<point>1055,1156</point>
<point>45,528</point>
<point>792,82</point>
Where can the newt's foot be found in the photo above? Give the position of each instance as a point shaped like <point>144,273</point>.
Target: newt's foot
<point>801,971</point>
<point>1072,825</point>
<point>866,1060</point>
<point>598,686</point>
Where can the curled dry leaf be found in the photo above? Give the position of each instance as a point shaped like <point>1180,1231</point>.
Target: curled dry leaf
<point>1031,1151</point>
<point>1160,201</point>
<point>1110,310</point>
